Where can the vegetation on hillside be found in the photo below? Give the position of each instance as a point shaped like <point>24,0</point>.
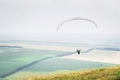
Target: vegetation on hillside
<point>112,73</point>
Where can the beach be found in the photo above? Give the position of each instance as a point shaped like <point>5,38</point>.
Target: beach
<point>44,47</point>
<point>106,56</point>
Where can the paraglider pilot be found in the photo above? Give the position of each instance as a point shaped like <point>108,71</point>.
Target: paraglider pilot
<point>78,51</point>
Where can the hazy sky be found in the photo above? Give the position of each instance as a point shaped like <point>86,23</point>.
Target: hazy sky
<point>37,17</point>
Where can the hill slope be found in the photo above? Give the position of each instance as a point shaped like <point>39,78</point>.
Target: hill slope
<point>112,73</point>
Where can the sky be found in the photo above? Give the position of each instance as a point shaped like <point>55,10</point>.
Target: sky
<point>36,19</point>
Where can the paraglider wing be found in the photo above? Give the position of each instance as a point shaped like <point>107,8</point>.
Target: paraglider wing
<point>76,18</point>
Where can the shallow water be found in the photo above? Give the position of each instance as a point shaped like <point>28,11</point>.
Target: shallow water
<point>13,58</point>
<point>59,64</point>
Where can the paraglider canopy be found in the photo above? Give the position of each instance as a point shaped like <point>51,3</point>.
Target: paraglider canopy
<point>75,18</point>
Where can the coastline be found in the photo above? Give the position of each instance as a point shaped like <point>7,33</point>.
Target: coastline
<point>114,58</point>
<point>105,56</point>
<point>44,47</point>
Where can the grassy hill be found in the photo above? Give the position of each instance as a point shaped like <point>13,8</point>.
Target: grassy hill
<point>112,73</point>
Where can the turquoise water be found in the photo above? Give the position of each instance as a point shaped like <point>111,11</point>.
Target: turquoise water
<point>62,64</point>
<point>13,58</point>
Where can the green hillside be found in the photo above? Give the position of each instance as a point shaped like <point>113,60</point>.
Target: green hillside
<point>112,73</point>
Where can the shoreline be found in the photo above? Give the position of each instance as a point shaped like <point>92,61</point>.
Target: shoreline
<point>44,47</point>
<point>105,59</point>
<point>105,56</point>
